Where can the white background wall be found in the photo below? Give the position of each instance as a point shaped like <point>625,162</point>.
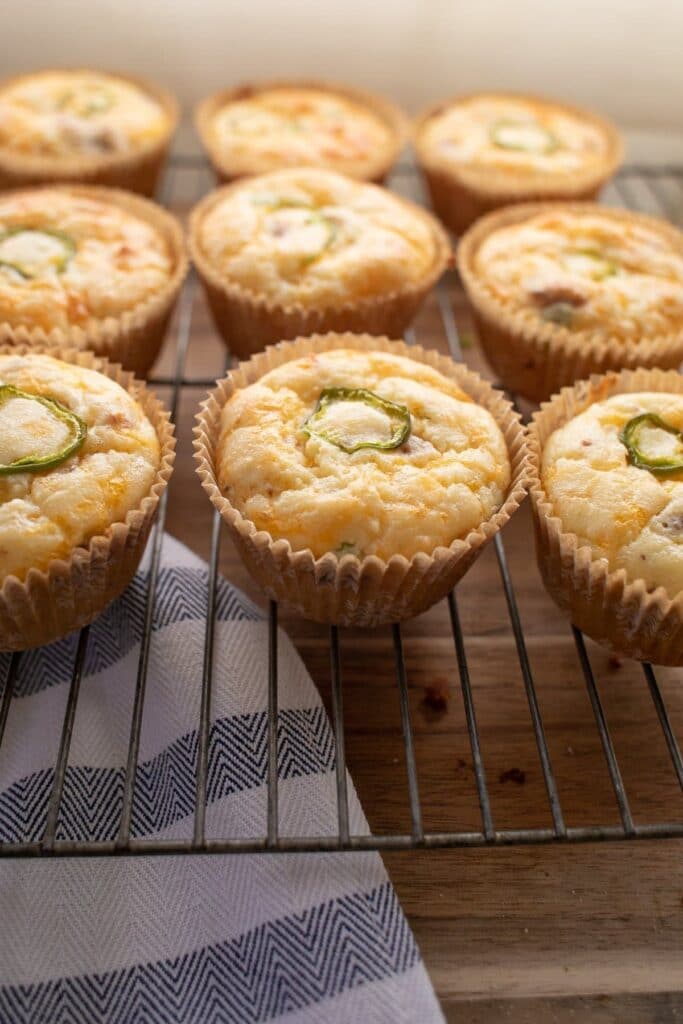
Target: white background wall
<point>623,57</point>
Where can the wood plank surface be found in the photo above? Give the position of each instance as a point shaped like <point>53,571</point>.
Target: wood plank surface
<point>544,933</point>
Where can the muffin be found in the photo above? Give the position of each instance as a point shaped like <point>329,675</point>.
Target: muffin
<point>85,454</point>
<point>307,250</point>
<point>89,267</point>
<point>359,477</point>
<point>272,125</point>
<point>562,291</point>
<point>607,493</point>
<point>84,126</point>
<point>485,151</point>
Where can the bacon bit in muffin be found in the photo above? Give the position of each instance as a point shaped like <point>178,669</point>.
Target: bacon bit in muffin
<point>673,523</point>
<point>119,420</point>
<point>77,309</point>
<point>417,446</point>
<point>549,294</point>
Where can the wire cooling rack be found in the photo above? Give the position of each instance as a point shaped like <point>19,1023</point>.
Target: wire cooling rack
<point>656,190</point>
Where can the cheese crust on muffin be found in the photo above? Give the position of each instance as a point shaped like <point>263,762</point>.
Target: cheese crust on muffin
<point>514,136</point>
<point>294,126</point>
<point>48,408</point>
<point>587,271</point>
<point>596,477</point>
<point>316,238</point>
<point>361,453</point>
<point>67,260</point>
<point>68,114</point>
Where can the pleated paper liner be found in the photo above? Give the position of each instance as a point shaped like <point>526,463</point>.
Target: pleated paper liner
<point>462,194</point>
<point>248,322</point>
<point>351,591</point>
<point>71,592</point>
<point>137,170</point>
<point>134,338</point>
<point>535,358</point>
<point>617,612</point>
<point>374,168</point>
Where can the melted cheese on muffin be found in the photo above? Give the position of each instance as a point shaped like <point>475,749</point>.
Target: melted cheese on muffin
<point>77,113</point>
<point>47,514</point>
<point>588,272</point>
<point>287,127</point>
<point>448,477</point>
<point>69,261</point>
<point>513,135</point>
<point>627,515</point>
<point>316,238</point>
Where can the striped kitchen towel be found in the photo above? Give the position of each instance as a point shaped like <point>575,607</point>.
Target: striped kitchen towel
<point>179,940</point>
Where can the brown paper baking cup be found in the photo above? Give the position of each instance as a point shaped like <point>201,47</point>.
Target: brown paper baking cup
<point>136,171</point>
<point>460,195</point>
<point>534,358</point>
<point>134,338</point>
<point>374,169</point>
<point>69,594</point>
<point>618,612</point>
<point>351,591</point>
<point>248,322</point>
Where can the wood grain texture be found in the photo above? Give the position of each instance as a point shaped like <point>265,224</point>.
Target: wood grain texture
<point>553,933</point>
<point>665,1008</point>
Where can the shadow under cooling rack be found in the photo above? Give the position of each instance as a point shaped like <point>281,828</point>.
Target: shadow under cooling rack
<point>657,190</point>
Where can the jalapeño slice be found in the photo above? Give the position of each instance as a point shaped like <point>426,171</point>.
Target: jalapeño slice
<point>31,252</point>
<point>303,216</point>
<point>634,437</point>
<point>602,266</point>
<point>86,101</point>
<point>321,422</point>
<point>77,431</point>
<point>99,101</point>
<point>331,229</point>
<point>523,136</point>
<point>558,313</point>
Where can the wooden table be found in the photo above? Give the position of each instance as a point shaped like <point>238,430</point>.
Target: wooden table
<point>541,933</point>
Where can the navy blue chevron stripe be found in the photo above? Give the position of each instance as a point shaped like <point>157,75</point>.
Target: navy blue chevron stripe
<point>280,966</point>
<point>181,596</point>
<point>165,784</point>
<point>23,807</point>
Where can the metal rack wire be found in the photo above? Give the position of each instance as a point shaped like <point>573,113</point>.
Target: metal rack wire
<point>655,189</point>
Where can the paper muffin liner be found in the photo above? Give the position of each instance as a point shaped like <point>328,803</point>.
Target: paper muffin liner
<point>134,338</point>
<point>349,591</point>
<point>460,195</point>
<point>620,613</point>
<point>136,171</point>
<point>247,322</point>
<point>70,593</point>
<point>374,169</point>
<point>535,358</point>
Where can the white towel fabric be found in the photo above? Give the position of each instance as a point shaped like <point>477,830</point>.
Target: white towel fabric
<point>179,940</point>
